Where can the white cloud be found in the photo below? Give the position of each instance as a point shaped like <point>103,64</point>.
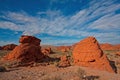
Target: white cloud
<point>8,25</point>
<point>59,42</point>
<point>107,22</point>
<point>100,15</point>
<point>21,17</point>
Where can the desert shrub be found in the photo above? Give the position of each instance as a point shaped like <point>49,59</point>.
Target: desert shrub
<point>69,53</point>
<point>11,64</point>
<point>57,78</point>
<point>2,69</point>
<point>81,73</point>
<point>52,78</point>
<point>3,52</point>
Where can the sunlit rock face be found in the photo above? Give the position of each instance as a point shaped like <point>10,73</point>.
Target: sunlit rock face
<point>89,54</point>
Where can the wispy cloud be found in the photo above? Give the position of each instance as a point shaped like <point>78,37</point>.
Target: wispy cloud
<point>99,19</point>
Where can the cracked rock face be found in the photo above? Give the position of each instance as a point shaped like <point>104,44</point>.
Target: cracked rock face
<point>89,54</point>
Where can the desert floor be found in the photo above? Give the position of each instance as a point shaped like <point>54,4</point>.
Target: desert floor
<point>45,71</point>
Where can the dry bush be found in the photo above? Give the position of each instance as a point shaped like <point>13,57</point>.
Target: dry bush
<point>52,78</point>
<point>3,52</point>
<point>3,69</point>
<point>81,73</point>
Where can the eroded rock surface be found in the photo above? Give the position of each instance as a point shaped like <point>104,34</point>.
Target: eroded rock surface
<point>27,51</point>
<point>89,54</point>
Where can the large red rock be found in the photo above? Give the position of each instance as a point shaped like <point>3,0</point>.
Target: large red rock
<point>89,54</point>
<point>9,47</point>
<point>27,51</point>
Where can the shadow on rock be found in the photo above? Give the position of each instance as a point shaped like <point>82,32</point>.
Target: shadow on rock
<point>112,63</point>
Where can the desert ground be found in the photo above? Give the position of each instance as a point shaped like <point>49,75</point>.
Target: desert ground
<point>43,71</point>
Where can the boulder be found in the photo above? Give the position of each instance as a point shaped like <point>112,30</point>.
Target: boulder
<point>89,54</point>
<point>27,51</point>
<point>64,62</point>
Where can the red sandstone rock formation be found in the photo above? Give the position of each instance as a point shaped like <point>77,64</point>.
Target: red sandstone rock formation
<point>9,47</point>
<point>117,46</point>
<point>27,51</point>
<point>64,48</point>
<point>107,46</point>
<point>30,39</point>
<point>89,54</point>
<point>64,62</point>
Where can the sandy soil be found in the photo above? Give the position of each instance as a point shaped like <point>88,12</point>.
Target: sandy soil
<point>51,72</point>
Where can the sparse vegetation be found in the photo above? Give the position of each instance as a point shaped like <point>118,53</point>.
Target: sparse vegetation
<point>52,78</point>
<point>3,69</point>
<point>81,73</point>
<point>3,52</point>
<point>110,51</point>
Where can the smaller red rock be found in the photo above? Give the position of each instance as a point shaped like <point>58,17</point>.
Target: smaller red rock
<point>9,47</point>
<point>46,51</point>
<point>64,62</point>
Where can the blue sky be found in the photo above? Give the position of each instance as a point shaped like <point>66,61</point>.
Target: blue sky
<point>60,22</point>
